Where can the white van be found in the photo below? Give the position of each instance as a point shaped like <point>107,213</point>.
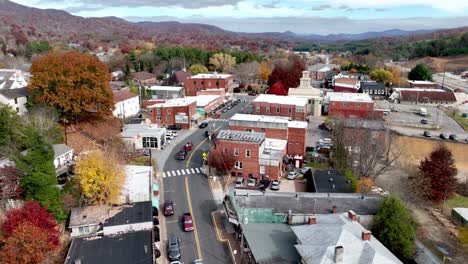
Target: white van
<point>423,111</point>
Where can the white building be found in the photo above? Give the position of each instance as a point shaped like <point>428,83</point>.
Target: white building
<point>13,90</point>
<point>12,79</point>
<point>166,92</point>
<point>137,184</point>
<point>63,157</point>
<point>127,104</point>
<point>313,95</point>
<point>144,136</point>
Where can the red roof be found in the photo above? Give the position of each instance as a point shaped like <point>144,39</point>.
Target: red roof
<point>123,95</point>
<point>422,96</point>
<point>142,76</point>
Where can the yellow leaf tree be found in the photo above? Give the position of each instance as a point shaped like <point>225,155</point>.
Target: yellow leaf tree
<point>264,71</point>
<point>222,61</point>
<point>364,185</point>
<point>100,178</point>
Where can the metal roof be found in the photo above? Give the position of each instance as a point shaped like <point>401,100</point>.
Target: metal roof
<point>246,136</point>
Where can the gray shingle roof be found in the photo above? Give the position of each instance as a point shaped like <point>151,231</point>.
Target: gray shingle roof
<point>14,93</point>
<point>246,136</point>
<point>60,149</point>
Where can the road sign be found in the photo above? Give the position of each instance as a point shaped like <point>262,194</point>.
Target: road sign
<point>204,155</point>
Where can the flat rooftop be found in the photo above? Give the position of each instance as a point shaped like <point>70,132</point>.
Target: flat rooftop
<point>140,212</point>
<point>273,149</point>
<point>244,136</point>
<point>184,101</point>
<point>203,100</point>
<point>279,99</point>
<point>421,82</point>
<point>137,184</point>
<point>211,76</point>
<point>135,247</point>
<point>88,215</point>
<point>165,88</point>
<point>264,121</point>
<point>133,130</point>
<point>349,97</point>
<point>331,181</point>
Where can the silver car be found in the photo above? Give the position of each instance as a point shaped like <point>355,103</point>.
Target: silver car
<point>292,175</point>
<point>275,185</point>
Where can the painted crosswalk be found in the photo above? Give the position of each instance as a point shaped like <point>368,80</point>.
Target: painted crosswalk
<point>180,172</point>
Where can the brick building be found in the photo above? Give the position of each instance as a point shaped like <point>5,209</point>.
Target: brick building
<point>182,111</point>
<point>295,108</point>
<point>349,105</point>
<point>205,81</point>
<point>256,156</point>
<point>276,127</point>
<point>346,85</point>
<point>423,84</point>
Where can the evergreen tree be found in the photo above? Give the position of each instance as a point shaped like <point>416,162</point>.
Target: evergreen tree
<point>420,73</point>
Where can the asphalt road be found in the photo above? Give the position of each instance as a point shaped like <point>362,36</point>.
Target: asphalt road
<point>191,192</point>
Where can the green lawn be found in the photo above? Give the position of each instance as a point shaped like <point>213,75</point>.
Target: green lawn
<point>457,201</point>
<point>463,121</point>
<point>142,161</point>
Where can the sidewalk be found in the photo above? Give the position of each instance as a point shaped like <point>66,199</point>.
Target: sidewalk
<point>219,222</point>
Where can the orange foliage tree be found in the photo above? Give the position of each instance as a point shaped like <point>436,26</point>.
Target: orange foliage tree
<point>76,84</point>
<point>364,185</point>
<point>27,245</point>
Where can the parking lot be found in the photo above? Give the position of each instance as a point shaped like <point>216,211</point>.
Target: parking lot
<point>406,120</point>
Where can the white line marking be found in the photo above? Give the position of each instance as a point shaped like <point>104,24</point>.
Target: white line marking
<point>178,172</point>
<point>193,171</point>
<point>197,170</point>
<point>164,174</point>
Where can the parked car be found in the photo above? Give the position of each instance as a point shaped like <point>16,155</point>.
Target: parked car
<point>453,137</point>
<point>427,134</point>
<point>188,222</point>
<point>198,261</point>
<point>203,125</point>
<point>174,127</point>
<point>424,121</point>
<point>325,127</point>
<point>305,169</point>
<point>181,155</point>
<point>175,262</point>
<point>169,136</point>
<point>168,208</point>
<point>173,248</point>
<point>224,110</point>
<point>292,175</point>
<point>263,185</point>
<point>275,185</point>
<point>239,182</point>
<point>444,136</point>
<point>188,146</point>
<point>252,182</point>
<point>216,116</point>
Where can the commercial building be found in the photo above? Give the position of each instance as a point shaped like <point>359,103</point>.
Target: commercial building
<point>206,104</point>
<point>313,95</point>
<point>165,92</point>
<point>423,96</point>
<point>376,90</point>
<point>423,84</point>
<point>180,111</point>
<point>295,108</point>
<point>349,105</point>
<point>205,81</point>
<point>319,71</point>
<point>346,85</point>
<point>127,104</point>
<point>144,136</point>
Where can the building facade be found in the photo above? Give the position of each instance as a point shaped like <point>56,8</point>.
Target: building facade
<point>295,108</point>
<point>348,105</point>
<point>313,95</point>
<point>180,111</point>
<point>144,136</point>
<point>376,90</point>
<point>205,81</point>
<point>423,84</point>
<point>165,92</point>
<point>127,104</point>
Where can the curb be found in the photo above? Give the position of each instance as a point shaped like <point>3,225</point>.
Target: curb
<point>220,239</point>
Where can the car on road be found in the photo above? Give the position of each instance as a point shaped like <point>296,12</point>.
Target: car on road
<point>453,137</point>
<point>239,182</point>
<point>427,134</point>
<point>275,185</point>
<point>292,175</point>
<point>188,146</point>
<point>181,155</point>
<point>173,248</point>
<point>424,121</point>
<point>216,116</point>
<point>305,169</point>
<point>252,182</point>
<point>444,136</point>
<point>175,262</point>
<point>188,222</point>
<point>263,185</point>
<point>168,208</point>
<point>325,127</point>
<point>198,261</point>
<point>174,127</point>
<point>203,125</point>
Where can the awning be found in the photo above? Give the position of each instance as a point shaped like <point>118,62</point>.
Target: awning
<point>225,101</point>
<point>196,116</point>
<point>155,202</point>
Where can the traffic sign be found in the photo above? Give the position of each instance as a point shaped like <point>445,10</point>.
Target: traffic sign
<point>204,155</point>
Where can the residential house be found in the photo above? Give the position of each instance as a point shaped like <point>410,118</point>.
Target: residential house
<point>87,220</point>
<point>127,104</point>
<point>349,105</point>
<point>319,71</point>
<point>144,78</point>
<point>15,98</point>
<point>12,79</point>
<point>165,92</point>
<point>313,95</point>
<point>205,81</point>
<point>181,111</point>
<point>376,90</point>
<point>144,136</point>
<point>295,108</point>
<point>63,158</point>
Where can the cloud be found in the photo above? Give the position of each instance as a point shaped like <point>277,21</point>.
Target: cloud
<point>82,8</point>
<point>320,7</point>
<point>455,6</point>
<point>273,4</point>
<point>190,4</point>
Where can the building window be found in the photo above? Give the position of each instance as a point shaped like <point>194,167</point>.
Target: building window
<point>217,83</point>
<point>343,103</point>
<point>262,170</point>
<point>168,110</point>
<point>225,150</point>
<point>289,110</point>
<point>258,109</point>
<point>150,142</point>
<point>151,111</point>
<point>250,175</point>
<point>158,118</point>
<point>16,100</point>
<point>168,118</point>
<point>268,109</point>
<point>238,165</point>
<point>195,83</point>
<point>278,109</point>
<point>247,152</point>
<point>368,105</point>
<point>159,111</point>
<point>299,110</point>
<point>358,104</point>
<point>236,152</point>
<point>83,230</point>
<point>202,82</point>
<point>263,129</point>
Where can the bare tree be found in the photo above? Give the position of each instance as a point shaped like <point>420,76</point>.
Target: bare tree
<point>246,72</point>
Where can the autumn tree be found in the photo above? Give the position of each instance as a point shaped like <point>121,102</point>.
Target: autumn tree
<point>222,161</point>
<point>222,61</point>
<point>289,73</point>
<point>440,173</point>
<point>31,213</point>
<point>27,245</point>
<point>394,226</point>
<point>381,75</point>
<point>9,182</point>
<point>197,68</point>
<point>264,71</point>
<point>421,73</point>
<point>396,75</point>
<point>76,84</point>
<point>246,72</point>
<point>278,89</point>
<point>364,185</point>
<point>100,178</point>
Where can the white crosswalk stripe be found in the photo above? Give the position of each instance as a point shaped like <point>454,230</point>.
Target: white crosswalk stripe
<point>164,174</point>
<point>173,173</point>
<point>180,172</point>
<point>197,170</point>
<point>192,170</point>
<point>187,171</point>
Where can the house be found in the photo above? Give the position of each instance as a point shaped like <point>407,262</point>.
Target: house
<point>376,90</point>
<point>144,78</point>
<point>256,156</point>
<point>181,111</point>
<point>132,247</point>
<point>294,108</point>
<point>313,95</point>
<point>144,136</point>
<point>63,158</point>
<point>423,96</point>
<point>205,81</point>
<point>127,104</point>
<point>12,79</point>
<point>176,78</point>
<point>276,127</point>
<point>165,92</point>
<point>319,71</point>
<point>423,84</point>
<point>346,85</point>
<point>15,98</point>
<point>349,105</point>
<point>87,220</point>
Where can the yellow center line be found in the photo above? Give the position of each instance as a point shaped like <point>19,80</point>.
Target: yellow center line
<point>195,149</point>
<point>195,231</point>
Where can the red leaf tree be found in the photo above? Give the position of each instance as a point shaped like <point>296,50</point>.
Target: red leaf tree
<point>288,74</point>
<point>278,89</point>
<point>31,213</point>
<point>440,172</point>
<point>9,183</point>
<point>28,244</point>
<point>221,161</point>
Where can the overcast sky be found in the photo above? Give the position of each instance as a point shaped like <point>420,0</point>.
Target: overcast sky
<point>300,16</point>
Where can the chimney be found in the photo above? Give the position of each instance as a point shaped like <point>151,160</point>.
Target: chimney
<point>338,257</point>
<point>334,209</point>
<point>352,215</point>
<point>312,220</point>
<point>366,235</point>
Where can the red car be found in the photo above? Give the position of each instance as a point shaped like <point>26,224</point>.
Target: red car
<point>188,146</point>
<point>168,208</point>
<point>216,116</point>
<point>188,222</point>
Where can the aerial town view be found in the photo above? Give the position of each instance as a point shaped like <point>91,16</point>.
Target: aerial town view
<point>233,131</point>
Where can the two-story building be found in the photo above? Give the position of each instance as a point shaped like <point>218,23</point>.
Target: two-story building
<point>165,92</point>
<point>205,81</point>
<point>13,89</point>
<point>295,108</point>
<point>313,95</point>
<point>350,105</point>
<point>346,85</point>
<point>180,111</point>
<point>127,104</point>
<point>376,90</point>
